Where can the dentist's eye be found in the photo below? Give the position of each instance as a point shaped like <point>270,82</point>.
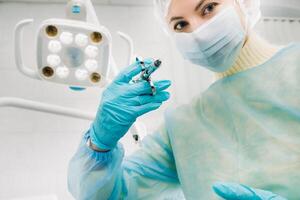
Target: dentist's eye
<point>180,26</point>
<point>209,8</point>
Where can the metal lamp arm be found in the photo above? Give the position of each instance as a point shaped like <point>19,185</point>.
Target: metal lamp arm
<point>18,35</point>
<point>91,13</point>
<point>13,102</point>
<point>44,107</point>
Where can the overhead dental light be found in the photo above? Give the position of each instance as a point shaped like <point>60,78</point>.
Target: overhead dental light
<point>75,51</point>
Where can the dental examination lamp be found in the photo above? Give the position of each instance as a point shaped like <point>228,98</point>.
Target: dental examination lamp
<point>76,52</point>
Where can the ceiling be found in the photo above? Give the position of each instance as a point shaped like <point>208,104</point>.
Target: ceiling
<point>278,8</point>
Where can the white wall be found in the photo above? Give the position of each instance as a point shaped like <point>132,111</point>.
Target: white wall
<point>34,147</point>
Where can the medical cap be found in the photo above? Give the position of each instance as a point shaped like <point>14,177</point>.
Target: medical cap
<point>251,9</point>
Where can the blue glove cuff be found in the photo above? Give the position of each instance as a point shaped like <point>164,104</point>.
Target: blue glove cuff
<point>96,141</point>
<point>102,157</point>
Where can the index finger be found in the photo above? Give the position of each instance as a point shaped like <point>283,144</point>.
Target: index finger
<point>129,72</point>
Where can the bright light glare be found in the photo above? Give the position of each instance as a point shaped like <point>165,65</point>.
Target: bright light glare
<point>62,72</point>
<point>81,74</point>
<point>53,60</point>
<point>91,51</point>
<point>66,38</point>
<point>91,65</point>
<point>81,40</point>
<point>54,46</point>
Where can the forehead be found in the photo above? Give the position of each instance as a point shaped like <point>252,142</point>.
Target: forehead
<point>180,7</point>
<point>184,7</point>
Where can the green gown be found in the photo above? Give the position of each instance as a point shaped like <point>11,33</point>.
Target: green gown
<point>244,128</point>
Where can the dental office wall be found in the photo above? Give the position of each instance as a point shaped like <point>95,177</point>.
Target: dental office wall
<point>35,147</point>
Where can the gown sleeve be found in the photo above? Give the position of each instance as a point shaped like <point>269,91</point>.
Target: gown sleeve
<point>149,173</point>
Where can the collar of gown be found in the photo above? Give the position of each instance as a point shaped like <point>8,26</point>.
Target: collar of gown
<point>256,51</point>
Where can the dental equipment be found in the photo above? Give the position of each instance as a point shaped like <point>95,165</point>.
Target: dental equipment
<point>148,68</point>
<point>75,52</point>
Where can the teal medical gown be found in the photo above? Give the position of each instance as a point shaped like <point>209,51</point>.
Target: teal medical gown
<point>245,128</point>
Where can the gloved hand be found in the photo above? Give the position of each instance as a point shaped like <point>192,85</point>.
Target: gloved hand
<point>232,191</point>
<point>122,103</point>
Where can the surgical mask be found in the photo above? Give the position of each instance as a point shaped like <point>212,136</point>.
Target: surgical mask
<point>216,44</point>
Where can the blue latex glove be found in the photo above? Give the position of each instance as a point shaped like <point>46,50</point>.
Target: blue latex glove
<point>122,103</point>
<point>233,191</point>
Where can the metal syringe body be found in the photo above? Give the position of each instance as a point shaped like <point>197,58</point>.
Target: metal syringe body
<point>149,67</point>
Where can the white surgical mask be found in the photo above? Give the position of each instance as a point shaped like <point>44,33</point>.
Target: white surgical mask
<point>216,44</point>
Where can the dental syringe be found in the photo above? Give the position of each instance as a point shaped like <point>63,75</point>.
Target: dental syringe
<point>149,66</point>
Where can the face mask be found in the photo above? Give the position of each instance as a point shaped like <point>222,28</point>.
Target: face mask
<point>216,44</point>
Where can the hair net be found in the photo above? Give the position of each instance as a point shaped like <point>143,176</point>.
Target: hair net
<point>251,8</point>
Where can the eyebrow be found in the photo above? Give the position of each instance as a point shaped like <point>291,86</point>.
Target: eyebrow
<point>175,18</point>
<point>197,7</point>
<point>199,4</point>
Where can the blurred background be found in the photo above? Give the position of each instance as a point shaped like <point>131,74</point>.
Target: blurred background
<point>35,148</point>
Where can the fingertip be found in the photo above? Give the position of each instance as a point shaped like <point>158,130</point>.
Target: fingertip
<point>168,82</point>
<point>163,85</point>
<point>167,95</point>
<point>220,189</point>
<point>136,67</point>
<point>158,105</point>
<point>216,185</point>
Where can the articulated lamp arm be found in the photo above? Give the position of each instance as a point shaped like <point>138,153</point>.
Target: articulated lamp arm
<point>18,48</point>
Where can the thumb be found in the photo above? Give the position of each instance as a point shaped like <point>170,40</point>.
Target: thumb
<point>233,191</point>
